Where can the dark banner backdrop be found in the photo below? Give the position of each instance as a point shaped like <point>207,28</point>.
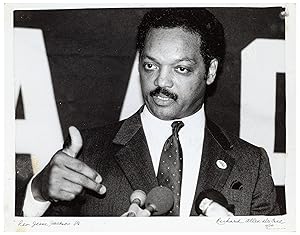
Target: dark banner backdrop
<point>91,53</point>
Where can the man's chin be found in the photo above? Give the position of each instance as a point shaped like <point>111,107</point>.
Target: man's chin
<point>163,113</point>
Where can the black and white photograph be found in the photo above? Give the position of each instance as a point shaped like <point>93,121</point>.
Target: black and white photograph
<point>181,113</point>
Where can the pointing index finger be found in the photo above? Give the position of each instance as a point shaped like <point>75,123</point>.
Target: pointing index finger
<point>81,170</point>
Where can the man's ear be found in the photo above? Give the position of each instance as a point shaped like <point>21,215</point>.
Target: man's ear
<point>212,71</point>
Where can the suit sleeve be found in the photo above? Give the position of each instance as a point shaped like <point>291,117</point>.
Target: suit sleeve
<point>264,196</point>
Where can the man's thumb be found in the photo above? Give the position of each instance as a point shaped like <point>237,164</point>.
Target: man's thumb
<point>76,142</point>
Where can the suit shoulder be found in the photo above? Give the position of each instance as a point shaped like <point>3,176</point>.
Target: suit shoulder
<point>100,133</point>
<point>239,142</point>
<point>248,157</point>
<point>234,144</point>
<point>246,147</point>
<point>97,140</point>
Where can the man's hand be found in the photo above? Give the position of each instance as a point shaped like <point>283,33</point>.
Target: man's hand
<point>217,210</point>
<point>65,176</point>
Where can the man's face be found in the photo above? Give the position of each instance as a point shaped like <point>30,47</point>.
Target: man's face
<point>172,73</point>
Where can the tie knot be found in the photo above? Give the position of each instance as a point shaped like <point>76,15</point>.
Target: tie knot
<point>176,126</point>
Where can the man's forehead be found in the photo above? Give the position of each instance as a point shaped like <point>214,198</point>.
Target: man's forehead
<point>174,44</point>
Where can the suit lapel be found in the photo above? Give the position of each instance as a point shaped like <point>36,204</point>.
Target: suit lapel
<point>215,148</point>
<point>134,156</point>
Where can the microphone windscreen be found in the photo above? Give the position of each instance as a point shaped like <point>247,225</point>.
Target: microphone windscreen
<point>140,195</point>
<point>162,198</point>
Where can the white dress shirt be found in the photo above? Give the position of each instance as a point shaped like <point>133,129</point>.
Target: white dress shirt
<point>191,137</point>
<point>157,131</point>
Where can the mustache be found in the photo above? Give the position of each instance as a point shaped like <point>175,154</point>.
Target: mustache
<point>160,90</point>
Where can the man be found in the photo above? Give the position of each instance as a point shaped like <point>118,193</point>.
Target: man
<point>168,142</point>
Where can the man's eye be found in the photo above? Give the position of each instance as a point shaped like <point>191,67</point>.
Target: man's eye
<point>150,66</point>
<point>182,70</point>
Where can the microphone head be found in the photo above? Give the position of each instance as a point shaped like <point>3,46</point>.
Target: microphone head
<point>161,199</point>
<point>138,196</point>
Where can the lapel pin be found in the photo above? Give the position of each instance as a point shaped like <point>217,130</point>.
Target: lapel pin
<point>221,164</point>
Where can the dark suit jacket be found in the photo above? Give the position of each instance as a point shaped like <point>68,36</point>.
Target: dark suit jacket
<point>119,152</point>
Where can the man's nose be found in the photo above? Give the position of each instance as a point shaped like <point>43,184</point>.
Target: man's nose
<point>164,78</point>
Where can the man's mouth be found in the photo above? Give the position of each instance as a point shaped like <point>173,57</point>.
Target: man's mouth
<point>162,101</point>
<point>163,98</point>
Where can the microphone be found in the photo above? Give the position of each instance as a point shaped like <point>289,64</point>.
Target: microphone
<point>212,203</point>
<point>137,199</point>
<point>159,201</point>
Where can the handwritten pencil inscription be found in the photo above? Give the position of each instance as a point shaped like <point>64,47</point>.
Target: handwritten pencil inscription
<point>269,223</point>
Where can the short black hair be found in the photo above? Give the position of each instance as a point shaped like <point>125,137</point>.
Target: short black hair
<point>195,20</point>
